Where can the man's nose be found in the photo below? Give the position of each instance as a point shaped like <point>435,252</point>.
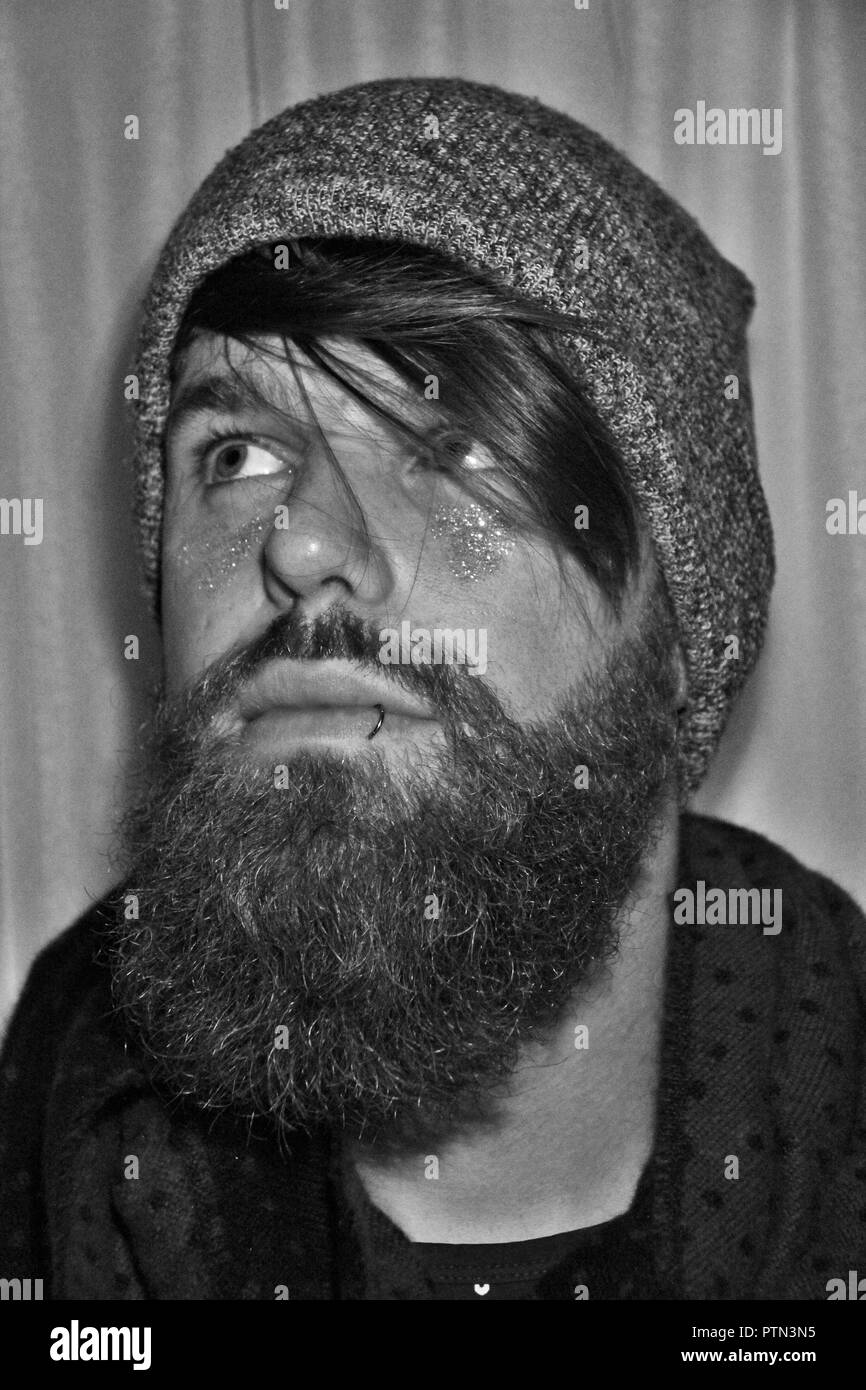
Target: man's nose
<point>326,534</point>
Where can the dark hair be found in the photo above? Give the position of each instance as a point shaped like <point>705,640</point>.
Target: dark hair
<point>501,380</point>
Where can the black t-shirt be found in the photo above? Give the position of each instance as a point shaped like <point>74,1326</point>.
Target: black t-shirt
<point>610,1260</point>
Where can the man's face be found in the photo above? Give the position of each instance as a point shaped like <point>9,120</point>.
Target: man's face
<point>357,931</point>
<point>409,546</point>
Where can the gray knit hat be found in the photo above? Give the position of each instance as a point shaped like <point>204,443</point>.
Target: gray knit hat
<point>548,208</point>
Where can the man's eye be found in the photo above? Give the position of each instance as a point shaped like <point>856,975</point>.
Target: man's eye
<point>224,458</point>
<point>449,451</point>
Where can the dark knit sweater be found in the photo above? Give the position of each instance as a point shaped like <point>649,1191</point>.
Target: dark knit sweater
<point>762,1059</point>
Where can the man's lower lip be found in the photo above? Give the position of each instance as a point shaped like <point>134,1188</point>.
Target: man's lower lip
<point>330,722</point>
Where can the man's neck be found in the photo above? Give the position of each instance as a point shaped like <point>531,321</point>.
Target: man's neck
<point>577,1127</point>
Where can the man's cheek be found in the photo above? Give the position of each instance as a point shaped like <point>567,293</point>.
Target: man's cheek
<point>207,558</point>
<point>195,632</point>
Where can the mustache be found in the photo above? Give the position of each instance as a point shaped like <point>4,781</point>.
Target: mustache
<point>457,695</point>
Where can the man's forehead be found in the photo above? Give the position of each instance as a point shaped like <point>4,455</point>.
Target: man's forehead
<point>217,374</point>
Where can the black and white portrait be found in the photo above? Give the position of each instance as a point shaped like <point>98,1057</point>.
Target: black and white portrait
<point>433,530</point>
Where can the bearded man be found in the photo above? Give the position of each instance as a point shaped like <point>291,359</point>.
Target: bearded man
<point>420,981</point>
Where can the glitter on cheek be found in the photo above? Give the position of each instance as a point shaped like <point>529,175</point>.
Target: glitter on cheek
<point>476,543</point>
<point>215,558</point>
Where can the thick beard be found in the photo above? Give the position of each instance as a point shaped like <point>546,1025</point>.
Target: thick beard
<point>369,949</point>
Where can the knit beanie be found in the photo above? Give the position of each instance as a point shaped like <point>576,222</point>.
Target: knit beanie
<point>550,210</point>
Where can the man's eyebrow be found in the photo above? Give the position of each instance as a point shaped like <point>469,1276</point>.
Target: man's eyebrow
<point>217,394</point>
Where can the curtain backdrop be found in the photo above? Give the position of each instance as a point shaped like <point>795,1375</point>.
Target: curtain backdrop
<point>83,211</point>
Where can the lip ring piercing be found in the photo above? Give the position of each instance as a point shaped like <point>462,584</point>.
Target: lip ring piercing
<point>379,722</point>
